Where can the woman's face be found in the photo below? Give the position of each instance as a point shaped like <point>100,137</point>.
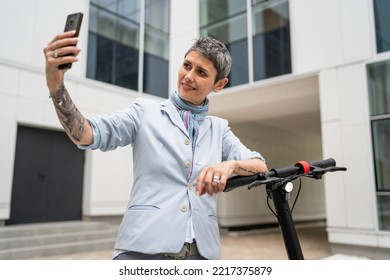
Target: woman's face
<point>196,78</point>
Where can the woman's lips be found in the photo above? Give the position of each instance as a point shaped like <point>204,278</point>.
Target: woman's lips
<point>187,86</point>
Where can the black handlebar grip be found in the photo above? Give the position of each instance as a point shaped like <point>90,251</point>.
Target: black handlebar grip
<point>325,163</point>
<point>286,171</point>
<point>239,181</point>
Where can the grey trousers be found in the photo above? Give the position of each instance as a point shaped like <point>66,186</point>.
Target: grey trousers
<point>141,256</point>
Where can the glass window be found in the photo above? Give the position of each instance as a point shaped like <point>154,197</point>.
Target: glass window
<point>379,95</point>
<point>226,20</point>
<point>379,88</point>
<point>156,44</point>
<point>157,14</point>
<point>114,44</point>
<point>271,39</point>
<point>212,12</point>
<point>129,10</point>
<point>107,4</point>
<point>100,57</point>
<point>126,66</point>
<point>381,139</point>
<point>384,212</point>
<point>382,22</point>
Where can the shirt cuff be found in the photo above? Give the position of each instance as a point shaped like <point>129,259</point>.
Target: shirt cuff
<point>96,138</point>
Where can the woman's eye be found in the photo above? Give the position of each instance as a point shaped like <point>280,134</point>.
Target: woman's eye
<point>202,73</point>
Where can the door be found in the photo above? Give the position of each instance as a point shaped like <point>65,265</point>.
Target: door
<point>48,177</point>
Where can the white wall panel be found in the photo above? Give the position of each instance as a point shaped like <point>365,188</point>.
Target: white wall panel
<point>346,134</point>
<point>335,196</point>
<point>356,29</point>
<point>315,32</point>
<point>7,150</point>
<point>30,25</point>
<point>329,32</point>
<point>329,95</point>
<point>111,181</point>
<point>359,181</point>
<point>184,29</point>
<point>359,184</point>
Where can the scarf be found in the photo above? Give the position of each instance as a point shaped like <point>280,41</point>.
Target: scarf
<point>192,117</point>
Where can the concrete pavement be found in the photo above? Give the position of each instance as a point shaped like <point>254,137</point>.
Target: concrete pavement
<point>259,244</point>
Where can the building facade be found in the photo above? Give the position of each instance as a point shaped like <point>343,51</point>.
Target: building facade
<point>309,81</point>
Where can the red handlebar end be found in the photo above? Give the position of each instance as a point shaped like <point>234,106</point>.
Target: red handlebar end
<point>304,166</point>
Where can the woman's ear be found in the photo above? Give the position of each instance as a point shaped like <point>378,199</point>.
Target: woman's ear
<point>220,84</point>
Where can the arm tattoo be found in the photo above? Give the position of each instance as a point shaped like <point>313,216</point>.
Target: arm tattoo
<point>68,114</point>
<point>246,171</point>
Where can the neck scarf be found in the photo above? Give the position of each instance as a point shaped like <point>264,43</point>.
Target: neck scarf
<point>191,115</point>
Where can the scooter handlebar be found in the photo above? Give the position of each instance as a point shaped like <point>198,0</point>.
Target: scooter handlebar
<point>325,163</point>
<point>300,167</point>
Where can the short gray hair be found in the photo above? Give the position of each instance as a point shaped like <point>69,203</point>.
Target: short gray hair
<point>216,52</point>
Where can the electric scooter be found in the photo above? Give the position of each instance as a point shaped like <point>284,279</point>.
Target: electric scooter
<point>279,187</point>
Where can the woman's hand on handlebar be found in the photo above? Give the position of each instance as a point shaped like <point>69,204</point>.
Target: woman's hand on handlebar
<point>213,179</point>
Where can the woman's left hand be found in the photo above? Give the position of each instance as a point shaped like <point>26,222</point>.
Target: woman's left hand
<point>212,179</point>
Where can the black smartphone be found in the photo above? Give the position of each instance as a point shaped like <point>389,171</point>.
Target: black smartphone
<point>73,22</point>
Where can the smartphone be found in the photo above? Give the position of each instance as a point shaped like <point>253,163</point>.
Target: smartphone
<point>73,22</point>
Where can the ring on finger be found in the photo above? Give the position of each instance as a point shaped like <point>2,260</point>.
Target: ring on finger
<point>216,179</point>
<point>55,54</point>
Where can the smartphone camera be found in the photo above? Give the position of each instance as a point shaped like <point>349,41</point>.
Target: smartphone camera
<point>71,23</point>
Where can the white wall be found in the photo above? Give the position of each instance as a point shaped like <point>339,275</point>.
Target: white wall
<point>8,128</point>
<point>184,29</point>
<point>325,33</point>
<point>350,196</point>
<point>28,25</point>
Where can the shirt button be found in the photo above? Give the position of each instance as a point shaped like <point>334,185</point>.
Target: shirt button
<point>190,186</point>
<point>184,209</point>
<point>187,141</point>
<point>188,164</point>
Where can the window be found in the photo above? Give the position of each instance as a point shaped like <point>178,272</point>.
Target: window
<point>226,20</point>
<point>271,39</point>
<point>259,53</point>
<point>382,21</point>
<point>156,53</point>
<point>121,47</point>
<point>379,96</point>
<point>379,87</point>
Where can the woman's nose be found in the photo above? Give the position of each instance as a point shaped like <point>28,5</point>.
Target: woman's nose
<point>189,77</point>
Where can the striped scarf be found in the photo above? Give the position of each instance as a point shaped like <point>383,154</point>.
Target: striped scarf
<point>192,117</point>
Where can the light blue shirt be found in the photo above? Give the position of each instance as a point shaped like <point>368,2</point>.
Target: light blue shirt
<point>162,197</point>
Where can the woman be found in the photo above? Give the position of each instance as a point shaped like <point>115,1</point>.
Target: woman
<point>182,156</point>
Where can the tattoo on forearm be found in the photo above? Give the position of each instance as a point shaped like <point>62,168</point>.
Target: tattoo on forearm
<point>68,114</point>
<point>246,171</point>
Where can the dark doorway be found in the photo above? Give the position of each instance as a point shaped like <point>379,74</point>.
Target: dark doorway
<point>48,178</point>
